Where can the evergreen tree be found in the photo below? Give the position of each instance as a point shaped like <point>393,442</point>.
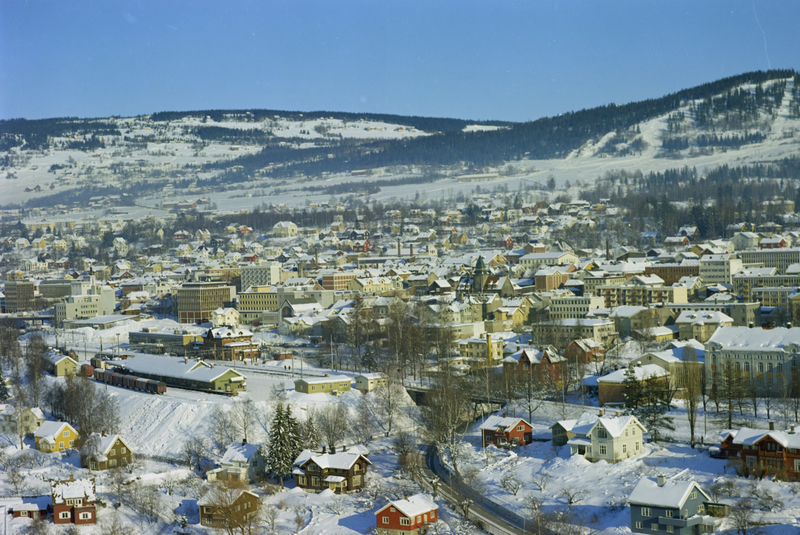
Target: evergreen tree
<point>651,404</point>
<point>4,395</point>
<point>310,436</point>
<point>294,439</point>
<point>284,443</point>
<point>632,389</point>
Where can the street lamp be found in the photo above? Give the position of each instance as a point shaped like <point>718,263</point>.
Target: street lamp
<point>118,351</point>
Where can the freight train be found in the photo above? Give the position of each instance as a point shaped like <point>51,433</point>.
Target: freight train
<point>134,382</point>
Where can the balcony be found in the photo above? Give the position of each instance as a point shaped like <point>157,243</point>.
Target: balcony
<point>680,522</point>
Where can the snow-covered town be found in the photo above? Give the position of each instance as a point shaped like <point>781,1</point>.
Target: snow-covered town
<point>418,368</point>
<point>434,299</point>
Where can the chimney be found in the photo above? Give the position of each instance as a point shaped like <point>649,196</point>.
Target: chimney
<point>186,360</point>
<point>244,441</point>
<point>333,449</point>
<point>505,415</point>
<point>772,426</point>
<point>791,430</point>
<point>750,325</point>
<point>602,412</point>
<point>619,413</point>
<point>661,480</point>
<point>324,449</point>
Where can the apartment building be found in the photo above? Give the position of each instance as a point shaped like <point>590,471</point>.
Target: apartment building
<point>672,272</point>
<point>561,332</point>
<point>19,296</point>
<point>100,301</point>
<point>534,260</point>
<point>642,291</point>
<point>777,258</point>
<point>261,274</point>
<point>197,300</point>
<point>571,306</point>
<point>719,268</point>
<point>746,280</point>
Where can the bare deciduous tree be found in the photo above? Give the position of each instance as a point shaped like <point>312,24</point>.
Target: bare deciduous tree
<point>243,417</point>
<point>333,423</point>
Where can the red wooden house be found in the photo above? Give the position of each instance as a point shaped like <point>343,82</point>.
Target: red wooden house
<point>546,366</point>
<point>411,516</point>
<point>764,452</point>
<point>584,351</point>
<point>362,246</point>
<point>504,431</point>
<point>74,501</point>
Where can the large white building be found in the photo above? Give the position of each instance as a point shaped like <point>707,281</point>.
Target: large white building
<point>573,306</point>
<point>719,268</point>
<point>766,356</point>
<point>100,301</point>
<point>261,274</point>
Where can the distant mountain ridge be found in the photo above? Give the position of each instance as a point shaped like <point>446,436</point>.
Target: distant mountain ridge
<point>226,146</point>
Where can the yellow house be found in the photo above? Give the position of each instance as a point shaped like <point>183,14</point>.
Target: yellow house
<point>333,384</point>
<point>55,436</point>
<point>61,365</point>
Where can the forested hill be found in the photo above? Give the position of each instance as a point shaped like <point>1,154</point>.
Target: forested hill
<point>552,137</point>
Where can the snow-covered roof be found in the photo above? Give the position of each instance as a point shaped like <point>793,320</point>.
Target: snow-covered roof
<point>492,423</point>
<point>339,461</point>
<point>195,370</point>
<point>73,488</point>
<point>51,430</point>
<point>671,494</point>
<point>748,437</point>
<point>744,339</point>
<point>648,371</point>
<point>239,452</point>
<point>415,505</point>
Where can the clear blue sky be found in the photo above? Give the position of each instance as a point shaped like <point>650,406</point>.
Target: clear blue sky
<point>493,59</point>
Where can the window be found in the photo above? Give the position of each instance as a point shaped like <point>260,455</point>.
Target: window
<point>71,443</point>
<point>670,529</point>
<point>314,481</point>
<point>626,432</point>
<point>645,511</point>
<point>356,480</point>
<point>301,480</point>
<point>79,501</point>
<point>93,465</point>
<point>386,520</point>
<point>69,501</point>
<point>654,526</point>
<point>701,509</point>
<point>637,446</point>
<point>668,513</point>
<point>693,495</point>
<point>61,445</point>
<point>63,514</point>
<point>65,434</point>
<point>602,449</point>
<point>601,433</point>
<point>405,522</point>
<point>23,513</point>
<point>86,516</point>
<point>639,525</point>
<point>207,510</point>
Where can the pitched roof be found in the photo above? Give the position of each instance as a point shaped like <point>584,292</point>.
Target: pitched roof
<point>493,422</point>
<point>412,506</point>
<point>672,494</point>
<point>239,452</point>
